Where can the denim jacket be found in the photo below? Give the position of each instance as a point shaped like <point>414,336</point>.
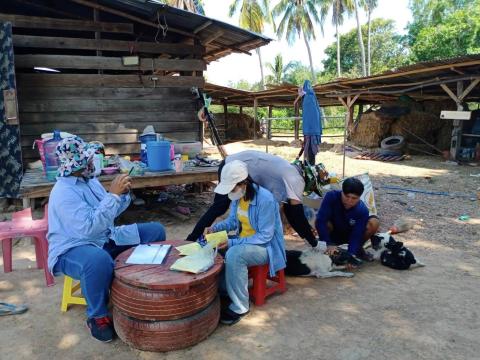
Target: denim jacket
<point>264,217</point>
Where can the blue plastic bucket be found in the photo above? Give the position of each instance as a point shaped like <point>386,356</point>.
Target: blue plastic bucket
<point>144,139</point>
<point>158,154</point>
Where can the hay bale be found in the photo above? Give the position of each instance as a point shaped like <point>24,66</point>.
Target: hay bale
<point>422,124</point>
<point>239,126</point>
<point>371,129</point>
<point>444,136</point>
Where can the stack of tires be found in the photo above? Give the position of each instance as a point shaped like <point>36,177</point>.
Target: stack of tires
<point>165,319</point>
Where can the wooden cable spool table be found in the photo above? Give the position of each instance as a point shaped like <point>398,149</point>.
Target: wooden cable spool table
<point>157,309</point>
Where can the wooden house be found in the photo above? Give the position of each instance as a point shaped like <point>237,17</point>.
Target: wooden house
<point>106,69</point>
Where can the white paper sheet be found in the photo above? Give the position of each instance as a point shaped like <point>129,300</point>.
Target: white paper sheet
<point>148,254</point>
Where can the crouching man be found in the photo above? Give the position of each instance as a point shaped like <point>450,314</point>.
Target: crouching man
<point>344,219</point>
<point>82,237</point>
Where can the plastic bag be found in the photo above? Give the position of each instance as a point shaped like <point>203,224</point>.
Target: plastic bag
<point>201,261</point>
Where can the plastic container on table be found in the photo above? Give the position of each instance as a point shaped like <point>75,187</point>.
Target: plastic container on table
<point>144,139</point>
<point>192,148</point>
<point>51,159</point>
<point>39,144</point>
<point>158,154</point>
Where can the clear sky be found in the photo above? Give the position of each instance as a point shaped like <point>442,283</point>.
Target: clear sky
<point>236,67</point>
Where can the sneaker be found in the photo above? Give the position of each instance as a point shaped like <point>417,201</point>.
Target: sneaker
<point>101,328</point>
<point>229,317</point>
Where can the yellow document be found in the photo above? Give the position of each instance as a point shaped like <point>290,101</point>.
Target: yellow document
<point>214,239</point>
<point>200,261</point>
<point>189,249</point>
<point>217,238</point>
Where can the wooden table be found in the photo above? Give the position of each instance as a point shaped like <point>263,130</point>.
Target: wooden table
<point>35,185</point>
<point>157,309</point>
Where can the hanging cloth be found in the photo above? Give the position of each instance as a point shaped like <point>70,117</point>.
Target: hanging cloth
<point>311,116</point>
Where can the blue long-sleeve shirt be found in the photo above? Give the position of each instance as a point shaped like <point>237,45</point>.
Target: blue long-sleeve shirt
<point>83,213</point>
<point>348,225</point>
<point>264,217</point>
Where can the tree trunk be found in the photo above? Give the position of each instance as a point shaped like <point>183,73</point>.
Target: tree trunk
<point>310,59</point>
<point>262,82</point>
<point>360,39</point>
<point>369,55</point>
<point>339,71</point>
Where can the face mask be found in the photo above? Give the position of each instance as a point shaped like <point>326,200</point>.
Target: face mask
<point>89,171</point>
<point>237,195</point>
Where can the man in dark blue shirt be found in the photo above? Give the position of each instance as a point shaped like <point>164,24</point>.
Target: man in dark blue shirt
<point>344,219</point>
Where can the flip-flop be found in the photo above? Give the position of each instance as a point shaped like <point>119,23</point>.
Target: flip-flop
<point>10,309</point>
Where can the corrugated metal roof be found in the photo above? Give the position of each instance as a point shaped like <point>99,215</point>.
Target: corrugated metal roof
<point>233,38</point>
<point>421,81</point>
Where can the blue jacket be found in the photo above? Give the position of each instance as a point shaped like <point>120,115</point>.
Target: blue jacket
<point>83,213</point>
<point>348,225</point>
<point>264,217</point>
<point>311,116</point>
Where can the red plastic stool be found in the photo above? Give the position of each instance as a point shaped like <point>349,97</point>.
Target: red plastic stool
<point>22,225</point>
<point>260,275</point>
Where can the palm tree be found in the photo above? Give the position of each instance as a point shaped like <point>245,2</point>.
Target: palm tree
<point>360,39</point>
<point>278,70</point>
<point>339,9</point>
<point>296,20</point>
<point>253,16</point>
<point>195,6</point>
<point>369,6</point>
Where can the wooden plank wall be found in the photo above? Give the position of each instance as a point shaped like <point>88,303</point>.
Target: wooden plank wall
<point>95,96</point>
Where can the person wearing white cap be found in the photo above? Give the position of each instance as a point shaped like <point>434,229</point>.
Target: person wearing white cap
<point>254,214</point>
<point>283,179</point>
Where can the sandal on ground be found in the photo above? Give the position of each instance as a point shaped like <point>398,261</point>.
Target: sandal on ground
<point>10,309</point>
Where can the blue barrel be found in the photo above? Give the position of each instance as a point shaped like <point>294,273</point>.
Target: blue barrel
<point>144,139</point>
<point>158,153</point>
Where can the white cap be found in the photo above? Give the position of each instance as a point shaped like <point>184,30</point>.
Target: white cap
<point>232,173</point>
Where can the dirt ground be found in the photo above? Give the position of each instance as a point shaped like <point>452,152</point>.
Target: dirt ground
<point>424,313</point>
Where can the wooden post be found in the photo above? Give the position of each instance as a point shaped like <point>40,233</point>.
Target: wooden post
<point>269,122</point>
<point>297,123</point>
<point>348,115</point>
<point>255,118</point>
<point>458,124</point>
<point>225,118</point>
<point>240,110</point>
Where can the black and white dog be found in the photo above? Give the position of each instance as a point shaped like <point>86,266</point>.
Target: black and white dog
<point>310,263</point>
<point>392,253</point>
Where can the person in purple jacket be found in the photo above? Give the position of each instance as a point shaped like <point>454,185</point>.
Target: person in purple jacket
<point>344,219</point>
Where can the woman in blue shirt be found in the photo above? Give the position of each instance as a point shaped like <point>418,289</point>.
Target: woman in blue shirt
<point>254,214</point>
<point>82,237</point>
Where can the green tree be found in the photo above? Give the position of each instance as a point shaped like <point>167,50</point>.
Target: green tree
<point>458,34</point>
<point>369,6</point>
<point>443,28</point>
<point>389,50</point>
<point>340,8</point>
<point>427,13</point>
<point>278,70</point>
<point>297,73</point>
<point>297,20</point>
<point>253,16</point>
<point>361,45</point>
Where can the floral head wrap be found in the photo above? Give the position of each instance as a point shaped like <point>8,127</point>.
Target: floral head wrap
<point>74,154</point>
